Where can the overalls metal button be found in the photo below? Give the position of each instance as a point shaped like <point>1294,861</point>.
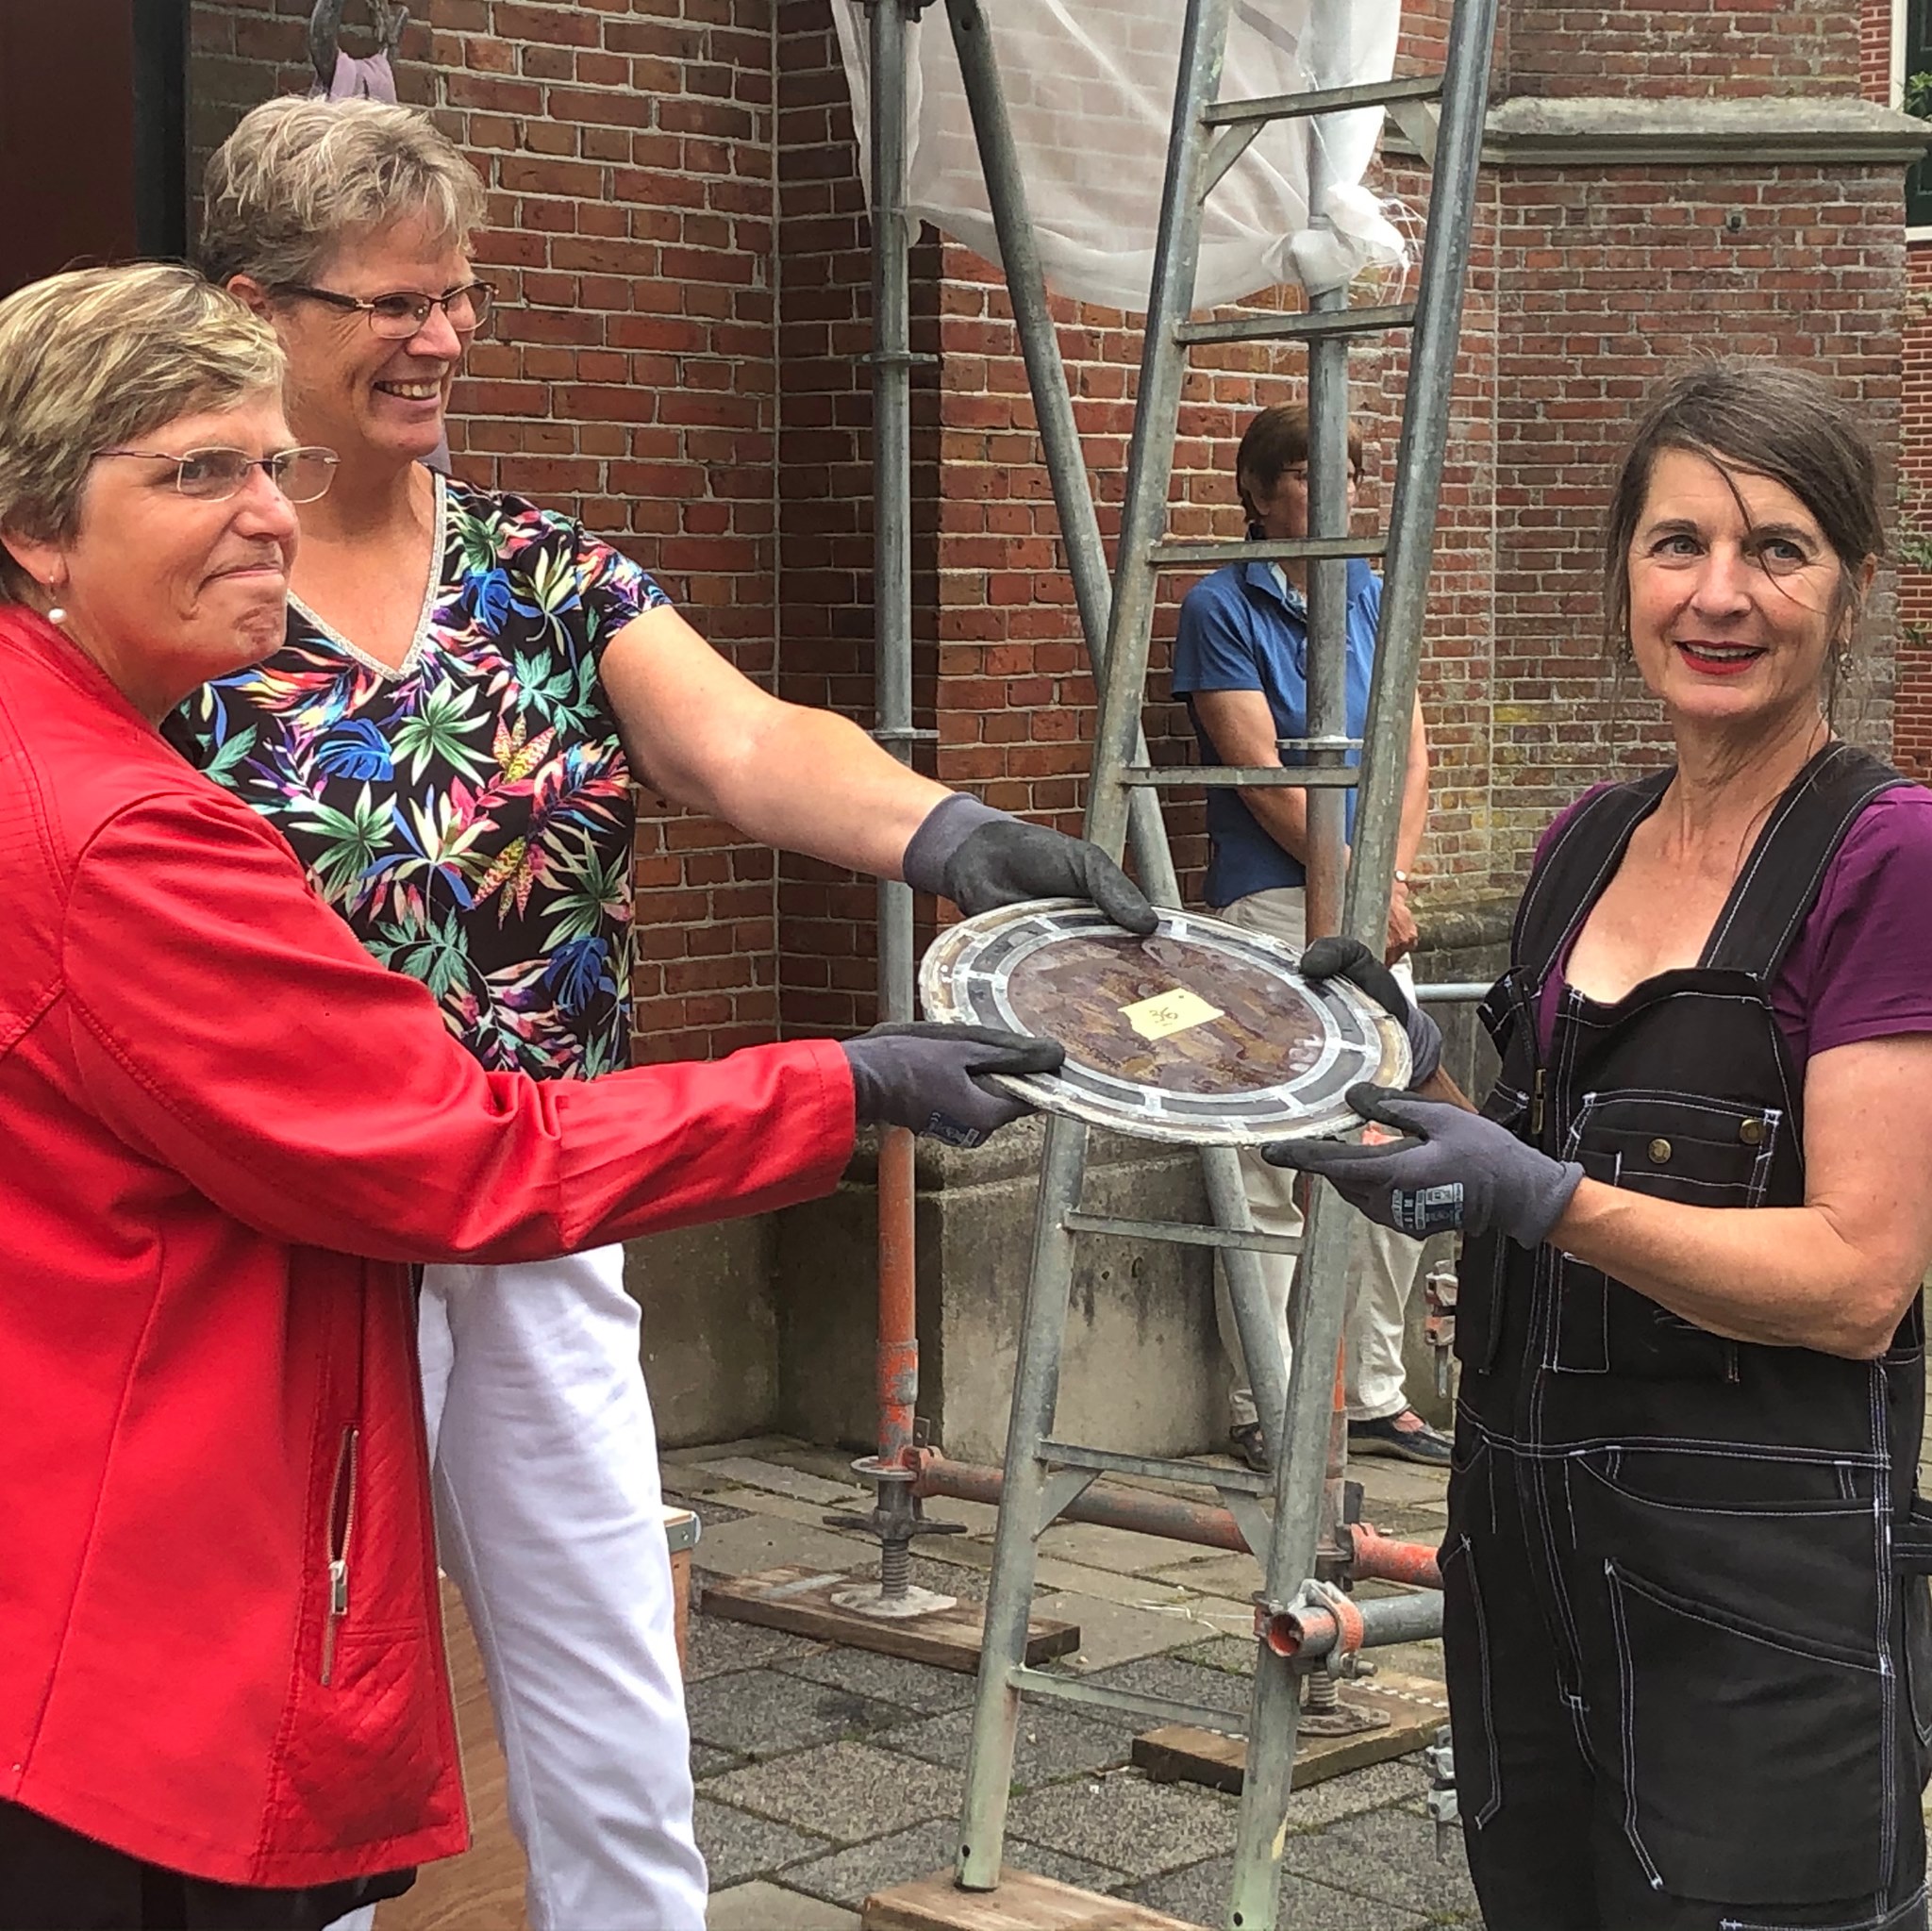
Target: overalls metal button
<point>1750,1132</point>
<point>1659,1151</point>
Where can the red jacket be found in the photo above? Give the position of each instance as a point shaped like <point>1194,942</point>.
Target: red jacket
<point>225,1130</point>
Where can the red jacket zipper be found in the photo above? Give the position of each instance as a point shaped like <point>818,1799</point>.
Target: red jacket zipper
<point>342,1527</point>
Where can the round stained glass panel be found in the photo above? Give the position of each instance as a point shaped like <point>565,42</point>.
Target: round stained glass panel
<point>1203,1034</point>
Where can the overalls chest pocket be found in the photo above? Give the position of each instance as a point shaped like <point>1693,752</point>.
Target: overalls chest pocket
<point>1672,1146</point>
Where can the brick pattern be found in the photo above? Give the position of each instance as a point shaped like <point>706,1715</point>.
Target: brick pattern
<point>1748,47</point>
<point>1649,275</point>
<point>628,152</point>
<point>678,222</point>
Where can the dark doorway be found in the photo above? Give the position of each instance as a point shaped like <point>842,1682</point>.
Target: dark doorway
<point>93,133</point>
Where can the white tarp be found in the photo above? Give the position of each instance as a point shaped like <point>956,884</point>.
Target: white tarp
<point>1089,89</point>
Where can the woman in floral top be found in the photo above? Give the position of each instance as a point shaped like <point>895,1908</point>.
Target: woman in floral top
<point>447,742</point>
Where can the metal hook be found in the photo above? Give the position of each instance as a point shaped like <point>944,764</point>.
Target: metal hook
<point>326,33</point>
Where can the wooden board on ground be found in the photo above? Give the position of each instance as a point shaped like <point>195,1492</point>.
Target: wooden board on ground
<point>1021,1902</point>
<point>800,1601</point>
<point>483,1890</point>
<point>1416,1709</point>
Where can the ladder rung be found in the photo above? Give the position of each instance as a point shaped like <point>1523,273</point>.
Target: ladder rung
<point>1070,1454</point>
<point>1185,1234</point>
<point>1325,100</point>
<point>1300,324</point>
<point>1163,1710</point>
<point>1230,776</point>
<point>1181,555</point>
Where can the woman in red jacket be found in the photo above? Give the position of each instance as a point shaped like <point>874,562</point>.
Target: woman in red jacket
<point>222,1696</point>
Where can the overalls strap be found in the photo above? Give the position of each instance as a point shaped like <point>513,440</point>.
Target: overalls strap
<point>1780,880</point>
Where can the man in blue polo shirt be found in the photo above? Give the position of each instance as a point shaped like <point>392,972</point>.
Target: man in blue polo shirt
<point>1240,660</point>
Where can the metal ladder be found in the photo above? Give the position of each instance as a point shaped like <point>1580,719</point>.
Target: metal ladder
<point>1298,1621</point>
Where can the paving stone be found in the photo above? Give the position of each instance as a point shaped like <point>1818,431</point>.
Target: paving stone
<point>1390,1856</point>
<point>709,1512</point>
<point>849,1791</point>
<point>1053,1742</point>
<point>1125,1552</point>
<point>737,1846</point>
<point>1225,1576</point>
<point>762,1713</point>
<point>915,1689</point>
<point>1233,1653</point>
<point>707,1761</point>
<point>776,1479</point>
<point>1402,1780</point>
<point>1183,1681</point>
<point>716,1644</point>
<point>761,1542</point>
<point>953,1579</point>
<point>1112,1633</point>
<point>1389,1483</point>
<point>1199,1894</point>
<point>849,1877</point>
<point>761,1906</point>
<point>1126,1824</point>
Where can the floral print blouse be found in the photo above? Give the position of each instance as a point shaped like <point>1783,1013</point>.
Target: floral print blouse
<point>469,813</point>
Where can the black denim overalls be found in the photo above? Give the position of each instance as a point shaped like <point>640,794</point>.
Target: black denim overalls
<point>1676,1628</point>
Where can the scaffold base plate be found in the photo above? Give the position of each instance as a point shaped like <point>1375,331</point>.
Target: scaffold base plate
<point>803,1602</point>
<point>1416,1709</point>
<point>1020,1903</point>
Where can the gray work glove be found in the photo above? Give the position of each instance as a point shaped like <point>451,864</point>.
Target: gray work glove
<point>1350,959</point>
<point>982,858</point>
<point>1450,1170</point>
<point>919,1074</point>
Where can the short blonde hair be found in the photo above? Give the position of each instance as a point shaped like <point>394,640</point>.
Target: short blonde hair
<point>298,176</point>
<point>101,357</point>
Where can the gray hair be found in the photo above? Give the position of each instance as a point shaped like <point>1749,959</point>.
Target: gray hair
<point>101,357</point>
<point>298,176</point>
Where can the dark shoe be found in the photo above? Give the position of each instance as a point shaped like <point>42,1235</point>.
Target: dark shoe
<point>1406,1435</point>
<point>1251,1446</point>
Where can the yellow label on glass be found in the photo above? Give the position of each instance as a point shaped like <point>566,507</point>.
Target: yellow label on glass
<point>1169,1012</point>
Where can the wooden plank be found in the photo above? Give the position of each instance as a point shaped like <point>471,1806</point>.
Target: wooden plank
<point>1416,1709</point>
<point>483,1890</point>
<point>1021,1902</point>
<point>800,1601</point>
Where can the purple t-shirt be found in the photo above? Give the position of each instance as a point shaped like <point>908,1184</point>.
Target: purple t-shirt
<point>1860,966</point>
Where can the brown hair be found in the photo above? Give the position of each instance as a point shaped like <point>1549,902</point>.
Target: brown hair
<point>1769,419</point>
<point>1275,440</point>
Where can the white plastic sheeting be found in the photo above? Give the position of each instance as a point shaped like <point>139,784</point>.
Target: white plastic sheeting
<point>1089,87</point>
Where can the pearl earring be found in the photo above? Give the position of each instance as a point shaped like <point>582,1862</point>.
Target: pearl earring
<point>55,614</point>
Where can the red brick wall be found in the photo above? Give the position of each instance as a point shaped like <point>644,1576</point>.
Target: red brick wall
<point>1749,47</point>
<point>1912,523</point>
<point>632,373</point>
<point>1649,275</point>
<point>679,229</point>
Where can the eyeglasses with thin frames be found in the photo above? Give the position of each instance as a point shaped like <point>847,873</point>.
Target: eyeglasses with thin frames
<point>212,476</point>
<point>397,317</point>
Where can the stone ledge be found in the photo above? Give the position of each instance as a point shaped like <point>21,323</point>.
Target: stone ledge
<point>1608,131</point>
<point>1463,925</point>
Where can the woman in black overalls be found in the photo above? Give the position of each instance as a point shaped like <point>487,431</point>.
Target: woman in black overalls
<point>1687,1628</point>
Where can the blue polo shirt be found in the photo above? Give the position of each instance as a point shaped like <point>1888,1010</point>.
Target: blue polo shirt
<point>1244,629</point>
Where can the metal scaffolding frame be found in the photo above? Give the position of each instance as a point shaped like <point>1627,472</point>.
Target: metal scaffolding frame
<point>1304,1622</point>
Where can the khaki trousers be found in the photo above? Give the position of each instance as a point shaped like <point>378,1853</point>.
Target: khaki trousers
<point>1384,1264</point>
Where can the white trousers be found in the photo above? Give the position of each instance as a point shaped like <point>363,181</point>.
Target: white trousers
<point>1384,1264</point>
<point>549,1521</point>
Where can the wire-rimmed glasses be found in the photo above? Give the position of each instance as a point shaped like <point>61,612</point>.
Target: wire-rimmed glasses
<point>212,476</point>
<point>398,316</point>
